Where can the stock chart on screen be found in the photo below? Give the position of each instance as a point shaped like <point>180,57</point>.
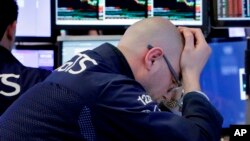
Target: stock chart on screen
<point>231,13</point>
<point>179,11</point>
<point>126,9</point>
<point>127,12</point>
<point>233,9</point>
<point>77,9</point>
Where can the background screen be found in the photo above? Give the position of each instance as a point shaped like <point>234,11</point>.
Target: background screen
<point>35,58</point>
<point>230,13</point>
<point>127,12</point>
<point>222,80</point>
<point>34,18</point>
<point>72,45</point>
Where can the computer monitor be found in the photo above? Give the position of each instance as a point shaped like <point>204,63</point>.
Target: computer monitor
<point>100,12</point>
<point>230,13</point>
<point>181,12</point>
<point>35,57</point>
<point>34,21</point>
<point>104,13</point>
<point>223,79</point>
<point>71,45</point>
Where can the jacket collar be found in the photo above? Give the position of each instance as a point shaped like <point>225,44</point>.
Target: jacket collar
<point>6,56</point>
<point>117,61</point>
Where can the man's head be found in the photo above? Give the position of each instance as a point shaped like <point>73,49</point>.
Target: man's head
<point>147,63</point>
<point>8,17</point>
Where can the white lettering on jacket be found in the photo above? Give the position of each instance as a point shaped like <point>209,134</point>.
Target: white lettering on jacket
<point>145,99</point>
<point>4,81</point>
<point>81,59</point>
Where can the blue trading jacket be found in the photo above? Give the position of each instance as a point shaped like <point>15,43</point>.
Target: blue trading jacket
<point>15,78</point>
<point>94,97</point>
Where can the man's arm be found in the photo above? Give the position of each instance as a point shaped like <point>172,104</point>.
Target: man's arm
<point>132,110</point>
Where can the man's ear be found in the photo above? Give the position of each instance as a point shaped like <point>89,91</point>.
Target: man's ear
<point>152,55</point>
<point>11,31</point>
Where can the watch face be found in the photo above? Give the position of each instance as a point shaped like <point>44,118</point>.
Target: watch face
<point>175,102</point>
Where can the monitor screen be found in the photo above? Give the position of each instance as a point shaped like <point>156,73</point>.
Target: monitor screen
<point>70,46</point>
<point>180,12</point>
<point>127,12</point>
<point>223,80</point>
<point>100,12</point>
<point>231,13</point>
<point>35,58</point>
<point>34,18</point>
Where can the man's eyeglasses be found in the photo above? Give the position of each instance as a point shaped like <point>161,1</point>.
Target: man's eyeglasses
<point>171,69</point>
<point>175,102</point>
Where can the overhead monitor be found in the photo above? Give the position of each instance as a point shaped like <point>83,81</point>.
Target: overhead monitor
<point>71,45</point>
<point>223,79</point>
<point>103,13</point>
<point>36,58</point>
<point>231,13</point>
<point>181,12</point>
<point>99,12</point>
<point>34,21</point>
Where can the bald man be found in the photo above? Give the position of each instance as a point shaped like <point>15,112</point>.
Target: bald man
<point>115,93</point>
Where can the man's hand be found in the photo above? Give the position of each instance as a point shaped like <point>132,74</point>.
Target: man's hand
<point>194,57</point>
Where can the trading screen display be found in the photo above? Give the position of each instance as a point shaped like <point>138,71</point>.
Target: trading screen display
<point>223,80</point>
<point>233,10</point>
<point>35,58</point>
<point>34,18</point>
<point>127,12</point>
<point>77,10</point>
<point>126,9</point>
<point>181,12</point>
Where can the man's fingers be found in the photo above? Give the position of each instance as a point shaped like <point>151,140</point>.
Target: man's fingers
<point>199,37</point>
<point>188,37</point>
